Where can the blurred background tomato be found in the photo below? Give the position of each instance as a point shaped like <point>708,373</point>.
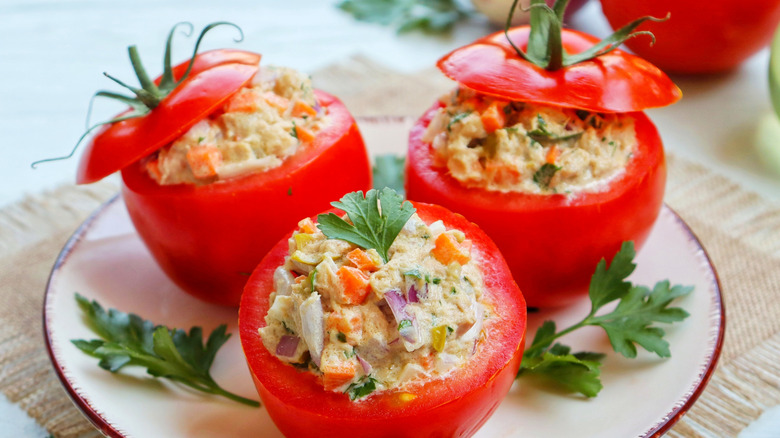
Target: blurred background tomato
<point>699,36</point>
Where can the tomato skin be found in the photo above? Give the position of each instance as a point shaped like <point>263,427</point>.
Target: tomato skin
<point>699,36</point>
<point>455,407</point>
<point>552,244</point>
<point>120,144</point>
<point>615,82</point>
<point>209,238</point>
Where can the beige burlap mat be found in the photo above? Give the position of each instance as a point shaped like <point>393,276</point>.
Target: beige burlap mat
<point>740,230</point>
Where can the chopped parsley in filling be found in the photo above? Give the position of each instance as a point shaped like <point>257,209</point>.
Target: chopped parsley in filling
<point>530,148</point>
<point>364,325</point>
<point>269,120</point>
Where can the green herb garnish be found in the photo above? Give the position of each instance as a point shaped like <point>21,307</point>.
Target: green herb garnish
<point>376,219</point>
<point>631,323</point>
<point>456,119</point>
<point>389,172</point>
<point>405,323</point>
<point>341,337</point>
<point>545,44</point>
<point>431,16</point>
<point>545,174</point>
<point>541,134</point>
<point>127,339</point>
<point>361,388</point>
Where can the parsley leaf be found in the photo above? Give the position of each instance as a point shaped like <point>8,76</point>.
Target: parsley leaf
<point>376,219</point>
<point>631,323</point>
<point>545,174</point>
<point>127,339</point>
<point>389,172</point>
<point>541,134</point>
<point>362,388</point>
<point>432,16</point>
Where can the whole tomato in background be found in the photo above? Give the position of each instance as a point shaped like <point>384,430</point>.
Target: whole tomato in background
<point>454,406</point>
<point>497,10</point>
<point>699,36</point>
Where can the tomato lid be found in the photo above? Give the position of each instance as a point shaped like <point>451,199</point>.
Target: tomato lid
<point>122,143</point>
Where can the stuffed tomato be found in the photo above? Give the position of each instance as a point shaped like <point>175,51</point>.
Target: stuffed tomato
<point>422,339</point>
<point>559,165</point>
<point>225,163</point>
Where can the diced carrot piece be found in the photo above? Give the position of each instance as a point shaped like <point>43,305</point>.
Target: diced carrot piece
<point>304,135</point>
<point>307,226</point>
<point>300,279</point>
<point>245,102</point>
<point>354,284</point>
<point>277,101</point>
<point>345,325</point>
<point>337,374</point>
<point>447,249</point>
<point>493,118</point>
<point>301,108</point>
<point>153,167</point>
<point>362,260</point>
<point>553,154</point>
<point>204,160</point>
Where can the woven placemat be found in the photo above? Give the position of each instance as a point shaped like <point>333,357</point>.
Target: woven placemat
<point>740,230</point>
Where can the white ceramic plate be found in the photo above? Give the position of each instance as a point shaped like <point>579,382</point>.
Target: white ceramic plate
<point>106,261</point>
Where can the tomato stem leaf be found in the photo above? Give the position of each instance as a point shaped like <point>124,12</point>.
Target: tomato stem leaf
<point>545,45</point>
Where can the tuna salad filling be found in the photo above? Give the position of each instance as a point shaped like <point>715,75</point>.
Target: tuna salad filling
<point>363,325</point>
<point>266,122</point>
<point>528,148</point>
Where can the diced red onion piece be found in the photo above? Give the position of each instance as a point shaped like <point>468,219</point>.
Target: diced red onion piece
<point>413,296</point>
<point>366,366</point>
<point>397,304</point>
<point>287,346</point>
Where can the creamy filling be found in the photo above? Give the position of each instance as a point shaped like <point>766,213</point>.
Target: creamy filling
<point>364,325</point>
<point>528,148</point>
<point>272,118</point>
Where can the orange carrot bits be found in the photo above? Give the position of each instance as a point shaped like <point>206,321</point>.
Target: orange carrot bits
<point>493,118</point>
<point>277,101</point>
<point>336,374</point>
<point>552,154</point>
<point>204,161</point>
<point>447,249</point>
<point>244,101</point>
<point>307,226</point>
<point>303,134</point>
<point>363,260</point>
<point>355,286</point>
<point>301,108</point>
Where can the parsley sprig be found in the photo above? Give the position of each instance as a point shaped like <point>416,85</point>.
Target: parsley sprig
<point>431,16</point>
<point>376,218</point>
<point>128,339</point>
<point>629,324</point>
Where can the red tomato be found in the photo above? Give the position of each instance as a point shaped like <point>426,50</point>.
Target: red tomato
<point>552,243</point>
<point>214,78</point>
<point>700,36</point>
<point>615,82</point>
<point>455,407</point>
<point>209,238</point>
